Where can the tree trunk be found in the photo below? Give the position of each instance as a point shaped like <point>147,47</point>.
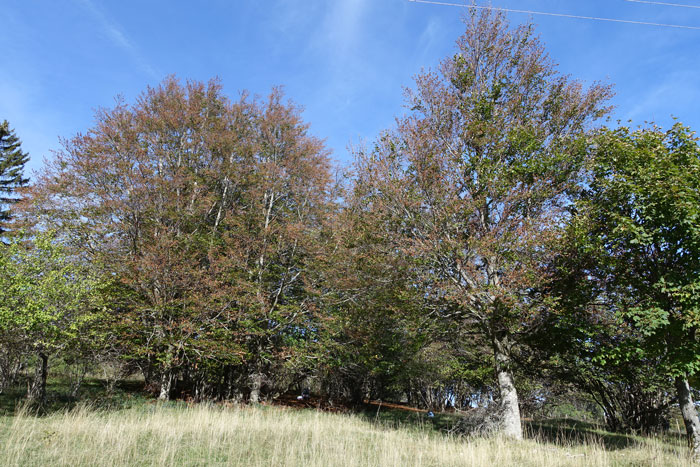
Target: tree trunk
<point>166,381</point>
<point>37,391</point>
<point>690,416</point>
<point>255,385</point>
<point>511,427</point>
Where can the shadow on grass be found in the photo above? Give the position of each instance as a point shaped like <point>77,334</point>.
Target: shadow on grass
<point>399,418</point>
<point>562,432</point>
<point>92,392</point>
<point>572,432</point>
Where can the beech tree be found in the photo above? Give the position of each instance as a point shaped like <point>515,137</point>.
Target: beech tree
<point>472,185</point>
<point>47,299</point>
<point>589,347</point>
<point>378,344</point>
<point>276,236</point>
<point>373,330</point>
<point>206,211</point>
<point>639,221</point>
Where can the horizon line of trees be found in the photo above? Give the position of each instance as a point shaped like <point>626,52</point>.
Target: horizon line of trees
<point>497,248</point>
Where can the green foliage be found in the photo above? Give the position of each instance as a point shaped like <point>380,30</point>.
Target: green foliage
<point>50,304</point>
<point>12,161</point>
<point>46,297</point>
<point>642,212</point>
<point>623,324</point>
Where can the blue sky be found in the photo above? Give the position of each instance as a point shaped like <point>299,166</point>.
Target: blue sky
<point>345,61</point>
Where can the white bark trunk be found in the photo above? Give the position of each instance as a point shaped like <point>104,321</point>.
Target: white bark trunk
<point>166,381</point>
<point>221,204</point>
<point>256,384</point>
<point>690,417</point>
<point>511,426</point>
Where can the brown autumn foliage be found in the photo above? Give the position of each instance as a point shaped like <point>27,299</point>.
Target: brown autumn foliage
<point>473,184</point>
<point>234,271</point>
<point>204,213</point>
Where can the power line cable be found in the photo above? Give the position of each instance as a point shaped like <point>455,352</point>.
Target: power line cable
<point>679,5</point>
<point>560,15</point>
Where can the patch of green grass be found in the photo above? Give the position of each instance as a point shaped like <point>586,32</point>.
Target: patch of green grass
<point>397,418</point>
<point>92,392</point>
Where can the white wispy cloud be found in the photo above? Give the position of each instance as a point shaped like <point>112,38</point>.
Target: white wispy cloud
<point>119,38</point>
<point>343,23</point>
<point>677,91</point>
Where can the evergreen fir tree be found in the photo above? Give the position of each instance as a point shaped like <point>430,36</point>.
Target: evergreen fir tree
<point>12,161</point>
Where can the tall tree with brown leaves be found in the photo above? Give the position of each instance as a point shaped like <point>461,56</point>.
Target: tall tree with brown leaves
<point>473,184</point>
<point>204,212</point>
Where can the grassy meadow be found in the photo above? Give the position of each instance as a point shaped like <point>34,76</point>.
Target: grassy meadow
<point>145,433</point>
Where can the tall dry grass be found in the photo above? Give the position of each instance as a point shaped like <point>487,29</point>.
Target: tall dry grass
<point>212,435</point>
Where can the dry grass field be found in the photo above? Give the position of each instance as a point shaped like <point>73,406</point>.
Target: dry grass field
<point>151,434</point>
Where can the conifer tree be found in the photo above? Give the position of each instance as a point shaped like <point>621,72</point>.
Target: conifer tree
<point>12,161</point>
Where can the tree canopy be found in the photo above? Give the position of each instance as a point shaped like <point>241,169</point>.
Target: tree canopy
<point>638,224</point>
<point>473,184</point>
<point>207,212</point>
<point>493,250</point>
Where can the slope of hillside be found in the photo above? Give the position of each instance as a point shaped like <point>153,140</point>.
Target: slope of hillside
<point>177,434</point>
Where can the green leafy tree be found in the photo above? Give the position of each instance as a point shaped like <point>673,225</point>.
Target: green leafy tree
<point>640,223</point>
<point>592,350</point>
<point>12,161</point>
<point>374,327</point>
<point>47,299</point>
<point>380,343</point>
